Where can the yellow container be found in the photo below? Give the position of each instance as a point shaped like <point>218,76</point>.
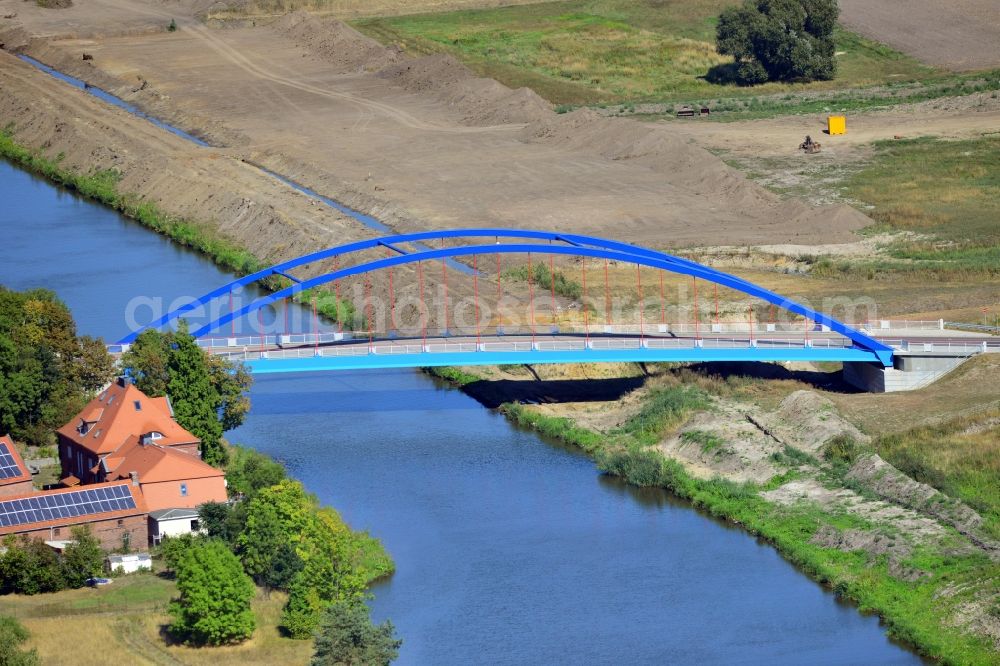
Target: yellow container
<point>836,125</point>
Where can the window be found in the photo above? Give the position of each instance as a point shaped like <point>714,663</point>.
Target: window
<point>195,526</point>
<point>184,490</point>
<point>138,406</point>
<point>121,522</point>
<point>55,531</point>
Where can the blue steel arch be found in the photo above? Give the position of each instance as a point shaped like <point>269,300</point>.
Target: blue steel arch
<point>576,245</point>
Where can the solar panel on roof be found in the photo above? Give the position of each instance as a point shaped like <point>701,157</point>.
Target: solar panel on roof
<point>64,505</point>
<point>8,468</point>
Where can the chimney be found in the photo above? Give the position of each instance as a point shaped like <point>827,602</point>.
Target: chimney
<point>135,478</point>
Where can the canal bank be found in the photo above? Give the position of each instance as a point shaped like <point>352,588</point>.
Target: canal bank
<point>509,548</point>
<point>795,473</point>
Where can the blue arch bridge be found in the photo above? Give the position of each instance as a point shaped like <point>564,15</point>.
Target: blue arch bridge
<point>588,336</point>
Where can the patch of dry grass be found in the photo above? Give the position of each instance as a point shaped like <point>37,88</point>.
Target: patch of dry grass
<point>83,627</point>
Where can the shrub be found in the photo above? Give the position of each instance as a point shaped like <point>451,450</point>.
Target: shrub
<point>12,634</point>
<point>30,567</point>
<point>83,558</point>
<point>779,40</point>
<point>842,449</point>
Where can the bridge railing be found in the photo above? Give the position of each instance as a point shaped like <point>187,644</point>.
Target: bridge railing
<point>438,346</point>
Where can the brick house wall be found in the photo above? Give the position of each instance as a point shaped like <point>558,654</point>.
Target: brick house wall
<point>110,532</point>
<point>19,488</point>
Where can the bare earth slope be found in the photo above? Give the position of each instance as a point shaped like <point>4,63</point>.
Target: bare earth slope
<point>424,143</point>
<point>957,34</point>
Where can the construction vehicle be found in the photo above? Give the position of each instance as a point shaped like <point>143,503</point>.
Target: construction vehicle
<point>810,146</point>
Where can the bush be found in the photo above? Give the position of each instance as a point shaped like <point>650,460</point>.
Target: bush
<point>83,558</point>
<point>842,449</point>
<point>30,567</point>
<point>215,595</point>
<point>12,634</point>
<point>779,40</point>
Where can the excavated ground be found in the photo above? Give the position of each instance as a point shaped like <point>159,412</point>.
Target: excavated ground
<point>421,142</point>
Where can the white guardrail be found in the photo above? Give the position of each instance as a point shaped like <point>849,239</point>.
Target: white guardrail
<point>361,348</point>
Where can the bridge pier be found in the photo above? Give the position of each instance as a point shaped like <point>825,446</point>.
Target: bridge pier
<point>910,371</point>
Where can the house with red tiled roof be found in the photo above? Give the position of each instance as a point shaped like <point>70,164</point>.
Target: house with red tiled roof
<point>15,477</point>
<point>117,415</point>
<point>169,478</point>
<point>115,512</point>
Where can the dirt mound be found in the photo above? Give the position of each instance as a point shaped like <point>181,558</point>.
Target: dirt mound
<point>875,474</point>
<point>480,101</point>
<point>336,42</point>
<point>806,420</point>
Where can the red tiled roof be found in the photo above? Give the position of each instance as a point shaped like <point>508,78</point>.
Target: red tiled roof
<point>140,508</point>
<point>122,412</point>
<point>155,463</point>
<point>25,473</point>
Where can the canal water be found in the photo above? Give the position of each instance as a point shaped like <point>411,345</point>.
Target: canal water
<point>509,549</point>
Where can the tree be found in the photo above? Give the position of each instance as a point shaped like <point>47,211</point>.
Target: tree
<point>250,471</point>
<point>12,635</point>
<point>214,603</point>
<point>83,558</point>
<point>346,636</point>
<point>220,520</point>
<point>779,40</point>
<point>194,399</point>
<point>47,373</point>
<point>331,563</point>
<point>208,393</point>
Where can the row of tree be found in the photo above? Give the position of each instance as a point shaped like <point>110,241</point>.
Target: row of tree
<point>277,536</point>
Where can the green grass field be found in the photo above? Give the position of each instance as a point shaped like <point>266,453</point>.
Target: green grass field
<point>627,51</point>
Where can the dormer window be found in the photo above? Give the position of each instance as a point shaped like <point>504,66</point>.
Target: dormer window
<point>84,428</point>
<point>151,437</point>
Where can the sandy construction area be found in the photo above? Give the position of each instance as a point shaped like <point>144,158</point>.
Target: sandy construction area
<point>422,143</point>
<point>957,34</point>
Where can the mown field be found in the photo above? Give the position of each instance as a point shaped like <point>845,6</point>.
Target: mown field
<point>627,52</point>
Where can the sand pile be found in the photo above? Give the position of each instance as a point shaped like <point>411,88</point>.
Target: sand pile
<point>683,164</point>
<point>336,42</point>
<point>481,101</point>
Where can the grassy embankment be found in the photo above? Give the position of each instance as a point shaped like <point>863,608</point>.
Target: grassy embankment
<point>129,616</point>
<point>948,192</point>
<point>917,612</point>
<point>102,186</point>
<point>621,53</point>
<point>940,200</point>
